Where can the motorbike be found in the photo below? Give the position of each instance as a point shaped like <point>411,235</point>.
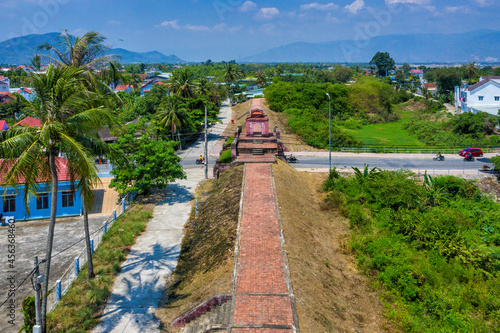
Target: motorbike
<point>469,158</point>
<point>198,161</point>
<point>439,158</point>
<point>292,159</point>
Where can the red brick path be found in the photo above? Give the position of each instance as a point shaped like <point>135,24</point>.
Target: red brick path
<point>262,298</point>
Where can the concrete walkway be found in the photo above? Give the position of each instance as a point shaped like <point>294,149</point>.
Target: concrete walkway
<point>139,286</point>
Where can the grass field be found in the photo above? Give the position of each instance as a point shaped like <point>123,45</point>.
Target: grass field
<point>386,134</point>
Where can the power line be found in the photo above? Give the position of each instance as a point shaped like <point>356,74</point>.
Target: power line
<point>19,286</point>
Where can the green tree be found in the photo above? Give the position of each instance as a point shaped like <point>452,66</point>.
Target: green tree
<point>173,115</point>
<point>447,79</point>
<point>67,128</point>
<point>85,51</point>
<point>470,70</point>
<point>182,82</point>
<point>406,68</point>
<point>144,164</point>
<point>383,62</point>
<point>342,74</point>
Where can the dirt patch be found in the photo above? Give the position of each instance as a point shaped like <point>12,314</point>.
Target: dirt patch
<point>331,294</point>
<point>490,185</point>
<point>292,141</point>
<point>205,266</point>
<point>415,106</point>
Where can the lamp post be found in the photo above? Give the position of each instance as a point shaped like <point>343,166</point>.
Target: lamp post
<point>329,131</point>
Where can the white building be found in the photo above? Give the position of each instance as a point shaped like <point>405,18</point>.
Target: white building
<point>483,96</point>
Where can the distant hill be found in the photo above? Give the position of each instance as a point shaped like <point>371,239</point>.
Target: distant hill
<point>479,46</point>
<point>21,49</point>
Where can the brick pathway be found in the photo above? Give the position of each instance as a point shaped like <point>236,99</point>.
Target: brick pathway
<point>262,302</point>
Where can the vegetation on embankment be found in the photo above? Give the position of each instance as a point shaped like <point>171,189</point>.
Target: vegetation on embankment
<point>372,112</point>
<point>206,260</point>
<point>434,247</point>
<point>78,309</point>
<point>332,295</point>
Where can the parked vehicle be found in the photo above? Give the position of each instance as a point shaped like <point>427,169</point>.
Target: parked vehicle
<point>476,152</point>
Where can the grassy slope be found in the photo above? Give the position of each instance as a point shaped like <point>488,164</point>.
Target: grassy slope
<point>331,294</point>
<point>207,256</point>
<point>386,134</point>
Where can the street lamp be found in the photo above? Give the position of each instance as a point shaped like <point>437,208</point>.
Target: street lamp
<point>329,131</point>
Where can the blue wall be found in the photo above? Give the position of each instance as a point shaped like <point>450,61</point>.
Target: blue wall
<point>21,213</point>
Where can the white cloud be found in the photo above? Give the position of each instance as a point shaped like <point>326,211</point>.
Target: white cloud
<point>455,9</point>
<point>415,2</point>
<point>247,6</point>
<point>355,6</point>
<point>483,3</point>
<point>317,6</point>
<point>173,24</point>
<point>491,59</point>
<point>332,19</point>
<point>223,27</point>
<point>267,13</point>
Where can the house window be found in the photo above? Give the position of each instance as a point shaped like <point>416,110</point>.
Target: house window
<point>42,202</point>
<point>68,199</point>
<point>497,98</point>
<point>9,203</point>
<point>481,98</point>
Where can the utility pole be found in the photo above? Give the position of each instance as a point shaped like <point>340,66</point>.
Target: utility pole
<point>37,293</point>
<point>180,143</point>
<point>206,143</point>
<point>329,131</point>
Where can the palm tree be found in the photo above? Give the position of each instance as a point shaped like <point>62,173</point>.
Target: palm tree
<point>182,82</point>
<point>113,76</point>
<point>470,70</point>
<point>136,81</point>
<point>261,77</point>
<point>172,115</point>
<point>231,75</point>
<point>86,51</point>
<point>68,128</point>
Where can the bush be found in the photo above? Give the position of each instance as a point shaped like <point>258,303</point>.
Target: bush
<point>353,123</point>
<point>226,157</point>
<point>229,141</point>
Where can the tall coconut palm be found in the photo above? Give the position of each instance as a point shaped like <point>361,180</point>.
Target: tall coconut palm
<point>86,51</point>
<point>182,82</point>
<point>173,115</point>
<point>67,128</point>
<point>470,70</point>
<point>261,77</point>
<point>232,74</point>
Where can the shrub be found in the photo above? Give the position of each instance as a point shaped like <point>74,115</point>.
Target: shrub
<point>226,156</point>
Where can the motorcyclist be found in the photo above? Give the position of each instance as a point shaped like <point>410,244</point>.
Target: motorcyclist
<point>200,159</point>
<point>468,156</point>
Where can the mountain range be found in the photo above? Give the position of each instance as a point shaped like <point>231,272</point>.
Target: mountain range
<point>20,50</point>
<point>479,46</point>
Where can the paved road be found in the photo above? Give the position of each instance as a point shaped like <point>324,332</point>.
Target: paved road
<point>397,161</point>
<point>139,286</point>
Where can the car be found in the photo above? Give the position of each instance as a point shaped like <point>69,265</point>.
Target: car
<point>476,152</point>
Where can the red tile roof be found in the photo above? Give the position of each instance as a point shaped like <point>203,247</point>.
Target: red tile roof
<point>3,125</point>
<point>416,71</point>
<point>430,85</point>
<point>61,164</point>
<point>3,98</point>
<point>29,122</point>
<point>25,90</point>
<point>122,87</point>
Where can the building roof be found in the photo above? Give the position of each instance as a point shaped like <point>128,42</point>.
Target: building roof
<point>122,87</point>
<point>483,82</point>
<point>105,134</point>
<point>25,90</point>
<point>430,85</point>
<point>416,71</point>
<point>62,171</point>
<point>3,125</point>
<point>143,76</point>
<point>29,122</point>
<point>8,95</point>
<point>148,83</point>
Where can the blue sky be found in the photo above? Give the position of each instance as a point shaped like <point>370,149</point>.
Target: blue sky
<point>197,30</point>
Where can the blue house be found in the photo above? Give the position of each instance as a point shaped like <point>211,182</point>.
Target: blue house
<point>69,201</point>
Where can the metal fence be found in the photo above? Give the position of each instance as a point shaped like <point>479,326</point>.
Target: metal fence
<point>64,282</point>
<point>407,150</point>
